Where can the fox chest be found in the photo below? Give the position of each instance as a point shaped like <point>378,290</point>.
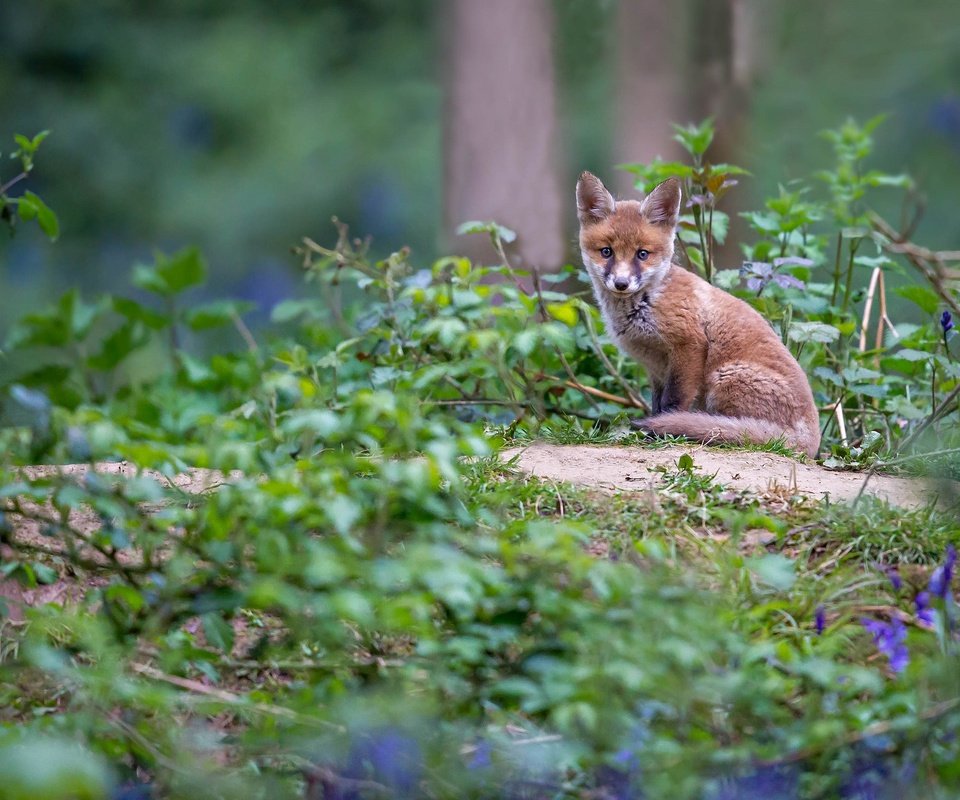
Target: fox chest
<point>632,325</point>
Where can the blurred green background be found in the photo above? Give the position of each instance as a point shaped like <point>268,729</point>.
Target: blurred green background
<point>241,126</point>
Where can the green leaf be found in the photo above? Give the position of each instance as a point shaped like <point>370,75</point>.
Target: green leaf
<point>118,345</point>
<point>525,341</point>
<point>813,332</point>
<point>46,219</point>
<point>168,277</point>
<point>218,631</point>
<point>922,296</point>
<point>288,310</point>
<point>215,314</point>
<point>565,312</point>
<point>137,312</point>
<point>695,139</point>
<point>36,767</point>
<point>774,570</point>
<point>493,228</point>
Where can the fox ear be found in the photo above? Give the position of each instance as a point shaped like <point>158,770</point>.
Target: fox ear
<point>662,205</point>
<point>594,202</point>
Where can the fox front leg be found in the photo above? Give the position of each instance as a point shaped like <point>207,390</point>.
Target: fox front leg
<point>656,396</point>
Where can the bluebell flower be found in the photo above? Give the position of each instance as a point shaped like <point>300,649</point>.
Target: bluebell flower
<point>946,321</point>
<point>925,613</point>
<point>481,757</point>
<point>820,619</point>
<point>895,580</point>
<point>890,639</point>
<point>942,576</point>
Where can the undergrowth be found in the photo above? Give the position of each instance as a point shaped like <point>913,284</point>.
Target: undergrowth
<point>368,602</point>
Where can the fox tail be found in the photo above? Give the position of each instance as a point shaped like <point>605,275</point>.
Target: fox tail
<point>714,429</point>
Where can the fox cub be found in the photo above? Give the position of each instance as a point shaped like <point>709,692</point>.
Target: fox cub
<point>718,371</point>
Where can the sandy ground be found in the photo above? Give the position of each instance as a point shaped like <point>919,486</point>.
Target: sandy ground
<point>632,468</point>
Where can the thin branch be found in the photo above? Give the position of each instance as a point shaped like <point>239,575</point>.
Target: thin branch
<point>11,183</point>
<point>244,332</point>
<point>935,416</point>
<point>931,714</point>
<point>929,262</point>
<point>868,307</point>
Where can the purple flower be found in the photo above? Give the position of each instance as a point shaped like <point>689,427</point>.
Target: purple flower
<point>946,321</point>
<point>890,639</point>
<point>820,619</point>
<point>924,612</point>
<point>895,580</point>
<point>942,576</point>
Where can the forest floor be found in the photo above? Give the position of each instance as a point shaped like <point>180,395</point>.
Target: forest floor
<point>619,468</point>
<point>623,472</point>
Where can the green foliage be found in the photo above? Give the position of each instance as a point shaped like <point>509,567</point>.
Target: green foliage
<point>357,595</point>
<point>28,206</point>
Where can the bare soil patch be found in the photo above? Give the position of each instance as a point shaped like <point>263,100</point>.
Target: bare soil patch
<point>613,468</point>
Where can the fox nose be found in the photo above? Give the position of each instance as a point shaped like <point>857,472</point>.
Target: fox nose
<point>620,284</point>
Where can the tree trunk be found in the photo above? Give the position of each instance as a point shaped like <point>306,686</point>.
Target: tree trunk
<point>500,129</point>
<point>649,84</point>
<point>725,54</point>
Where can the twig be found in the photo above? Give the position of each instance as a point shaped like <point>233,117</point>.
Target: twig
<point>223,696</point>
<point>11,183</point>
<point>868,307</point>
<point>244,332</point>
<point>914,456</point>
<point>884,319</point>
<point>930,263</point>
<point>841,425</point>
<point>935,416</point>
<point>877,729</point>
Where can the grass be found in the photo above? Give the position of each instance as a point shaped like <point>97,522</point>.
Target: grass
<point>775,557</point>
<point>574,431</point>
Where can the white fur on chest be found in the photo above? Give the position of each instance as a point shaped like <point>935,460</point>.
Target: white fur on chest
<point>630,324</point>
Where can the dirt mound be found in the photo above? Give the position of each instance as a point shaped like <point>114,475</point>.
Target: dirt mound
<point>633,468</point>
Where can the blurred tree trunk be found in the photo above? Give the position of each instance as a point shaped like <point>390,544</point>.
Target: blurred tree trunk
<point>725,57</point>
<point>500,128</point>
<point>649,83</point>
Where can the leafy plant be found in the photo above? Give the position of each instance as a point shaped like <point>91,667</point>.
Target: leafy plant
<point>28,206</point>
<point>293,565</point>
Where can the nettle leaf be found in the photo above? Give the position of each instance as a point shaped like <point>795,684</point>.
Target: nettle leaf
<point>137,312</point>
<point>37,209</point>
<point>909,354</point>
<point>763,223</point>
<point>288,310</point>
<point>828,375</point>
<point>721,224</point>
<point>217,313</point>
<point>168,276</point>
<point>870,389</point>
<point>218,631</point>
<point>857,373</point>
<point>922,296</point>
<point>565,312</point>
<point>525,341</point>
<point>493,228</point>
<point>118,345</point>
<point>813,332</point>
<point>774,570</point>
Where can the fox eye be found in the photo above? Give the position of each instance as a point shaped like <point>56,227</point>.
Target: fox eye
<point>642,255</point>
<point>606,252</point>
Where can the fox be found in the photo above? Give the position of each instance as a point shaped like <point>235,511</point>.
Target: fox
<point>718,371</point>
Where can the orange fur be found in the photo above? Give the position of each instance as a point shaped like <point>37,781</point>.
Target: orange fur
<point>718,371</point>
